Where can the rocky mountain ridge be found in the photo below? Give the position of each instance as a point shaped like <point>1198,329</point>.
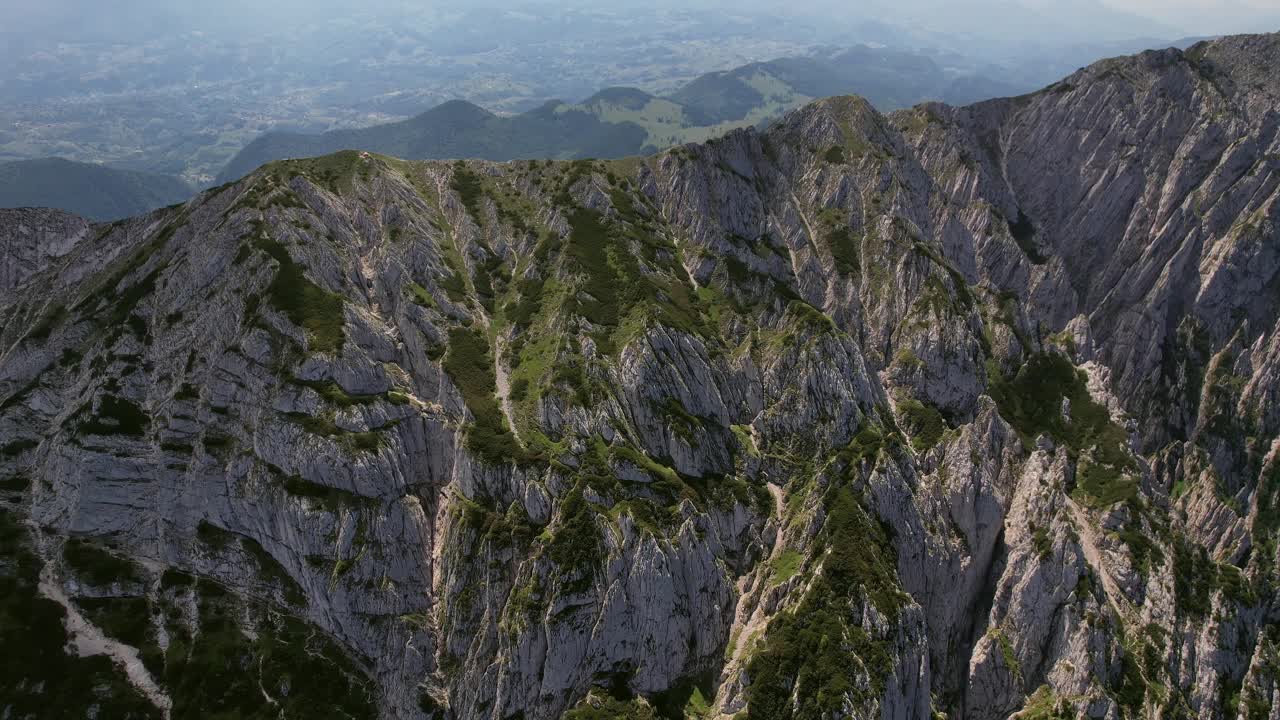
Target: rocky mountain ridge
<point>962,412</point>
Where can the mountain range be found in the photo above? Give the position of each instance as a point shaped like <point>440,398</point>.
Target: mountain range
<point>617,122</point>
<point>961,412</point>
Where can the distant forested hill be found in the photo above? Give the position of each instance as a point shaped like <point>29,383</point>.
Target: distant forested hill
<point>616,122</point>
<point>96,192</point>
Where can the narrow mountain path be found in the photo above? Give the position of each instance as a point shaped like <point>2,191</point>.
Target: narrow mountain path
<point>813,239</point>
<point>810,238</point>
<point>504,386</point>
<point>1092,555</point>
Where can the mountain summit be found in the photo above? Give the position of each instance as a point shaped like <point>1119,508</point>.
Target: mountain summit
<point>964,412</point>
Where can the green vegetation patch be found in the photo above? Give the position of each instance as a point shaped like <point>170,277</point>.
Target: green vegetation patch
<point>330,498</point>
<point>616,271</point>
<point>1255,698</point>
<point>40,678</point>
<point>785,566</point>
<point>867,444</point>
<point>745,439</point>
<point>420,295</point>
<point>470,188</point>
<point>117,416</point>
<point>802,323</point>
<point>923,423</point>
<point>307,305</point>
<point>1101,485</point>
<point>1041,541</point>
<point>1031,401</point>
<point>454,286</point>
<point>1130,689</point>
<point>686,700</point>
<point>1267,522</point>
<point>618,294</point>
<point>610,708</point>
<point>845,251</point>
<point>811,653</point>
<point>1006,652</point>
<point>324,426</point>
<point>1222,390</point>
<point>220,672</point>
<point>470,365</point>
<point>604,285</point>
<point>1197,577</point>
<point>1190,568</point>
<point>1045,705</point>
<point>574,545</point>
<point>504,529</point>
<point>333,393</point>
<point>684,424</point>
<point>336,171</point>
<point>96,566</point>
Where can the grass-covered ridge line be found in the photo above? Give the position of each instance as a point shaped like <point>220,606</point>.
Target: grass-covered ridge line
<point>335,172</point>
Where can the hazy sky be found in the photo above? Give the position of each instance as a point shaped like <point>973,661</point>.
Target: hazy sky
<point>1208,16</point>
<point>1036,21</point>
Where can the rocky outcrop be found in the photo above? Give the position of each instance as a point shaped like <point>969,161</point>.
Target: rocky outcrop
<point>31,239</point>
<point>953,411</point>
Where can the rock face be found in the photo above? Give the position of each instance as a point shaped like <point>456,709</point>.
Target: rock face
<point>952,412</point>
<point>31,239</point>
